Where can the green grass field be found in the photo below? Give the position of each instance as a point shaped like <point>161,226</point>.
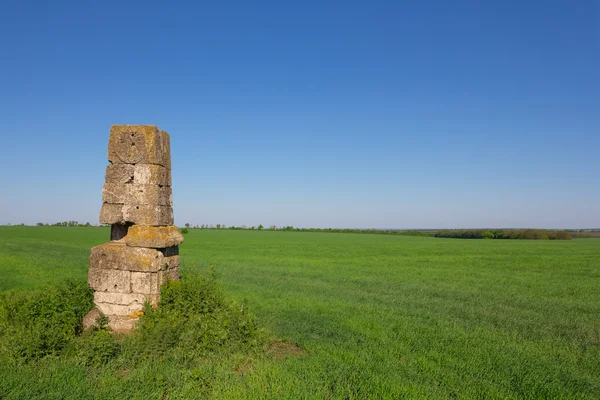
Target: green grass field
<point>375,316</point>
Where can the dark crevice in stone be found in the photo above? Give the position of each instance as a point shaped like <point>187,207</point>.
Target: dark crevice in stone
<point>119,231</point>
<point>170,251</point>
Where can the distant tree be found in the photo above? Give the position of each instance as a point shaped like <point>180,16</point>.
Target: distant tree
<point>218,226</point>
<point>40,224</point>
<point>488,235</point>
<point>260,227</point>
<point>187,225</point>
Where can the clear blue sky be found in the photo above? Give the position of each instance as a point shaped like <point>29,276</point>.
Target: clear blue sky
<point>421,114</point>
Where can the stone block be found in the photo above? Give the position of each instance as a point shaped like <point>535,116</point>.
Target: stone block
<point>136,194</point>
<point>143,214</point>
<point>112,214</point>
<point>142,174</point>
<point>172,261</point>
<point>118,309</point>
<point>157,237</point>
<point>139,144</point>
<point>115,193</point>
<point>122,324</point>
<point>118,256</point>
<point>135,300</point>
<point>109,280</point>
<point>147,282</point>
<point>90,318</point>
<point>119,173</point>
<point>151,174</point>
<point>173,273</point>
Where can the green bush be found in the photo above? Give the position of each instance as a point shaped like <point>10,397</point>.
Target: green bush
<point>195,318</point>
<point>43,322</point>
<point>96,347</point>
<point>184,231</point>
<point>533,234</point>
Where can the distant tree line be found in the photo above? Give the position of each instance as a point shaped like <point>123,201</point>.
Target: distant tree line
<point>590,233</point>
<point>65,223</point>
<point>290,228</point>
<point>533,234</point>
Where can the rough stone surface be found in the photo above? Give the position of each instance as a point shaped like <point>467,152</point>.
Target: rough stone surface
<point>109,280</point>
<point>116,255</point>
<point>172,262</point>
<point>147,282</point>
<point>150,174</point>
<point>139,144</point>
<point>119,173</point>
<point>173,273</point>
<point>146,214</point>
<point>136,194</point>
<point>137,202</point>
<point>90,318</point>
<point>118,309</point>
<point>142,174</point>
<point>123,298</point>
<point>122,324</point>
<point>123,304</point>
<point>143,214</point>
<point>112,214</point>
<point>156,237</point>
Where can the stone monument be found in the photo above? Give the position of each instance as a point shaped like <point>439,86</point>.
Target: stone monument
<point>137,202</point>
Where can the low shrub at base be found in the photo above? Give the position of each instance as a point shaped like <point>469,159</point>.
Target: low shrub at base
<point>194,318</point>
<point>43,322</point>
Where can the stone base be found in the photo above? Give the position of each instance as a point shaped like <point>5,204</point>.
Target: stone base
<point>90,318</point>
<point>120,324</point>
<point>123,304</point>
<point>117,323</point>
<point>124,278</point>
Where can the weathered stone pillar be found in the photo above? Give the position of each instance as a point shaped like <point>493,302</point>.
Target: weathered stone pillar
<point>137,203</point>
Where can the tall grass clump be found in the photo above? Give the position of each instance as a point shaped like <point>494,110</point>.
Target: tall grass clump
<point>195,319</point>
<point>35,324</point>
<point>195,336</point>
